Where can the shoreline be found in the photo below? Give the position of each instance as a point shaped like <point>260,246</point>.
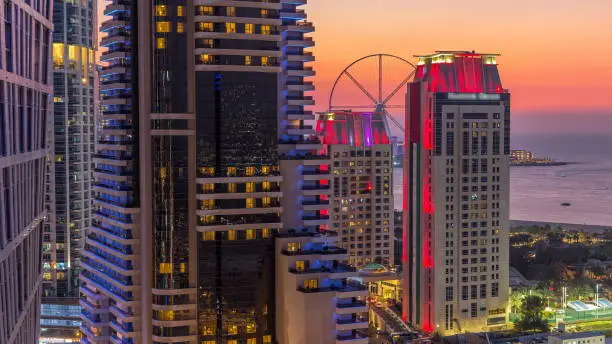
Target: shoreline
<point>565,226</point>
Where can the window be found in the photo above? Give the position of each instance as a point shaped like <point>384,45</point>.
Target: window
<point>300,265</point>
<point>162,26</point>
<point>230,11</point>
<point>250,203</point>
<point>264,60</point>
<point>474,292</point>
<point>249,28</point>
<point>483,291</point>
<point>449,293</point>
<point>265,232</point>
<point>180,27</point>
<point>474,310</point>
<point>311,284</point>
<point>293,246</point>
<point>250,171</point>
<point>464,292</point>
<point>266,29</point>
<point>265,201</point>
<point>161,10</point>
<point>251,340</point>
<point>265,13</point>
<point>230,27</point>
<point>247,60</point>
<point>160,43</point>
<point>231,187</point>
<point>180,11</point>
<point>205,11</point>
<point>231,234</point>
<point>232,329</point>
<point>206,27</point>
<point>267,339</point>
<point>250,234</point>
<point>206,59</point>
<point>494,289</point>
<point>250,187</point>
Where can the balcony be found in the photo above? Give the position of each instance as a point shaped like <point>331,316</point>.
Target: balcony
<point>353,306</point>
<point>317,251</point>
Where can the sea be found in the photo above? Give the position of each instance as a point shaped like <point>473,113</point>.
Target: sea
<point>536,192</point>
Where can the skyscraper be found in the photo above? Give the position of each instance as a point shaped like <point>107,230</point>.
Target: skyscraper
<point>457,194</point>
<point>361,184</point>
<point>25,114</point>
<point>187,230</point>
<point>70,169</point>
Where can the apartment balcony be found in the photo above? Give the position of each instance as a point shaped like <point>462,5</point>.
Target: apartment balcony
<point>324,253</point>
<point>116,8</point>
<point>123,315</point>
<point>90,307</point>
<point>338,271</point>
<point>301,87</point>
<point>239,195</point>
<point>297,14</point>
<point>115,38</point>
<point>318,190</point>
<point>114,23</point>
<point>239,211</point>
<point>350,307</point>
<point>303,72</point>
<point>303,26</point>
<point>352,323</point>
<point>315,220</point>
<point>299,101</point>
<point>111,55</point>
<point>308,158</point>
<point>93,338</point>
<point>127,331</point>
<point>114,69</point>
<point>300,130</point>
<point>179,339</point>
<point>121,223</point>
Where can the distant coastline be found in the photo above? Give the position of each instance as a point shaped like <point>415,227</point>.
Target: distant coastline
<point>565,226</point>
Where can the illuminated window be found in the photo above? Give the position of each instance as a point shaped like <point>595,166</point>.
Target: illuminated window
<point>266,186</point>
<point>265,232</point>
<point>231,187</point>
<point>47,276</point>
<point>206,10</point>
<point>180,11</point>
<point>265,29</point>
<point>250,171</point>
<point>162,26</point>
<point>165,315</point>
<point>230,27</point>
<point>247,60</point>
<point>58,55</point>
<point>165,268</point>
<point>208,43</point>
<point>250,234</point>
<point>160,43</point>
<point>209,188</point>
<point>206,27</point>
<point>183,267</point>
<point>251,328</point>
<point>208,219</point>
<point>265,169</point>
<point>293,246</point>
<point>265,201</point>
<point>264,60</point>
<point>311,284</point>
<point>208,236</point>
<point>300,265</point>
<point>161,10</point>
<point>207,331</point>
<point>231,171</point>
<point>231,235</point>
<point>206,59</point>
<point>232,329</point>
<point>232,341</point>
<point>250,203</point>
<point>180,27</point>
<point>230,11</point>
<point>249,28</point>
<point>250,187</point>
<point>265,13</point>
<point>251,340</point>
<point>58,99</point>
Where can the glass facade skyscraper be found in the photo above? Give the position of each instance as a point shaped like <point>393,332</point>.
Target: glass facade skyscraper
<point>25,120</point>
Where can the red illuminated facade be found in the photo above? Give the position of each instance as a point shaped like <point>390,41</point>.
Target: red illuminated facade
<point>456,194</point>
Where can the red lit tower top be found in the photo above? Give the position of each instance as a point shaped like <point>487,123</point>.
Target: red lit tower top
<point>459,72</point>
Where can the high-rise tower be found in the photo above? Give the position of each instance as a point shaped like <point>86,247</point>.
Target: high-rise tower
<point>25,121</point>
<point>361,184</point>
<point>456,174</point>
<point>188,217</point>
<point>70,169</point>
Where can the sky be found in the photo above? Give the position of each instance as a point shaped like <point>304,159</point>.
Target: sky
<point>556,55</point>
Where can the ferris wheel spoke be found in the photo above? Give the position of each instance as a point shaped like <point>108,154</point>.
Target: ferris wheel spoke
<point>363,89</point>
<point>380,78</point>
<point>395,121</point>
<point>399,87</point>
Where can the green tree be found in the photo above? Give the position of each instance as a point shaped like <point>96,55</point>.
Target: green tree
<point>532,319</point>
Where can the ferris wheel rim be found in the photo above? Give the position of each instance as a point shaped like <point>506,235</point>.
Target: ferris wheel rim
<point>345,72</point>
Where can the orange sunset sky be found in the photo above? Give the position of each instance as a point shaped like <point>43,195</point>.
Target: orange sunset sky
<point>556,54</point>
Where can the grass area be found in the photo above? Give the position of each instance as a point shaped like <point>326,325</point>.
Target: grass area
<point>604,326</point>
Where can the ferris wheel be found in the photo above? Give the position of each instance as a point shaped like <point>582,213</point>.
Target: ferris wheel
<point>382,96</point>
